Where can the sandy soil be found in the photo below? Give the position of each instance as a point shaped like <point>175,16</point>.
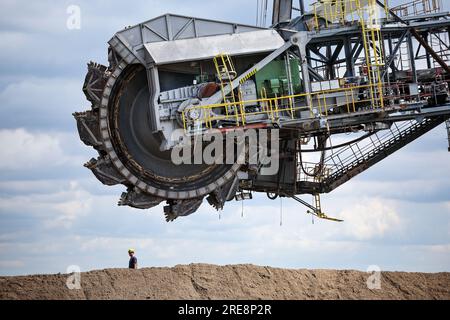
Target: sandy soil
<point>201,281</point>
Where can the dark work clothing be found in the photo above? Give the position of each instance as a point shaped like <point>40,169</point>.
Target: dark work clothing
<point>133,262</point>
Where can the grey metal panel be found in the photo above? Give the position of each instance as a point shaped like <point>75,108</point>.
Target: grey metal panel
<point>208,47</point>
<point>211,28</point>
<point>282,11</point>
<point>183,27</point>
<point>241,29</point>
<point>150,36</point>
<point>132,36</point>
<point>124,50</point>
<point>128,43</point>
<point>169,25</point>
<point>159,26</point>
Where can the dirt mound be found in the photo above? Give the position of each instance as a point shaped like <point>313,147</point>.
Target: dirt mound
<point>201,281</point>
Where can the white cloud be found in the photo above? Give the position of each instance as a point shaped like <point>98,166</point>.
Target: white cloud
<point>37,102</point>
<point>28,186</point>
<point>105,243</point>
<point>439,248</point>
<point>55,210</point>
<point>40,16</point>
<point>33,213</point>
<point>447,204</point>
<point>13,39</point>
<point>11,264</point>
<point>79,204</point>
<point>22,149</point>
<point>371,219</point>
<point>50,92</point>
<point>431,189</point>
<point>108,231</point>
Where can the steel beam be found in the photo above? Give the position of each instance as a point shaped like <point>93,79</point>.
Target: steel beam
<point>411,58</point>
<point>390,62</point>
<point>416,35</point>
<point>430,50</point>
<point>282,11</point>
<point>301,5</point>
<point>349,58</point>
<point>317,52</point>
<point>314,74</point>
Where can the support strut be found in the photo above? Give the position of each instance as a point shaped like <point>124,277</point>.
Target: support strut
<point>315,211</point>
<point>419,38</point>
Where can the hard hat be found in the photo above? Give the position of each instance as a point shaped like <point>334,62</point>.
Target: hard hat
<point>130,250</point>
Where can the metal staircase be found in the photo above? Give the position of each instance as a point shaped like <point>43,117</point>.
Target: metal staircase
<point>357,157</point>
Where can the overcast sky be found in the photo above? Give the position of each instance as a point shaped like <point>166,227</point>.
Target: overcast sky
<point>54,213</point>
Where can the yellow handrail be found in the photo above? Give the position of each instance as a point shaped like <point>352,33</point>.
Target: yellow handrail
<point>272,106</point>
<point>339,12</point>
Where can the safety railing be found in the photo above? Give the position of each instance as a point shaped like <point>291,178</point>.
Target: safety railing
<point>352,155</point>
<point>312,172</point>
<point>330,13</point>
<point>317,104</point>
<point>345,156</point>
<point>287,107</point>
<point>335,13</point>
<point>359,152</point>
<point>418,7</point>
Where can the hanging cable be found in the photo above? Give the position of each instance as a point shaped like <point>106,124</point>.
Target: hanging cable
<point>341,145</point>
<point>257,13</point>
<point>265,13</point>
<point>329,138</point>
<point>260,11</point>
<point>319,168</point>
<point>281,211</point>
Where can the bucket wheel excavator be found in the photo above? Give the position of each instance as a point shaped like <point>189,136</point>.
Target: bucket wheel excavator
<point>329,72</point>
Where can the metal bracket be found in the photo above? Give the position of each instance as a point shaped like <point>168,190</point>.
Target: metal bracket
<point>322,215</point>
<point>317,212</point>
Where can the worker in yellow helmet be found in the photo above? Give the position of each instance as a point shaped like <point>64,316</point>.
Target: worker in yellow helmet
<point>132,264</point>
